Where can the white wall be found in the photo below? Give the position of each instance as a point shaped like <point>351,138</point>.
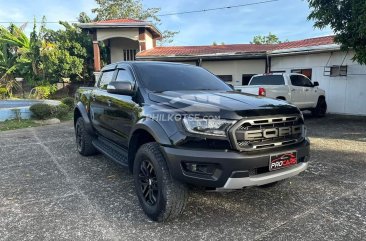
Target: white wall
<point>118,45</point>
<point>344,95</point>
<point>236,68</point>
<point>149,40</point>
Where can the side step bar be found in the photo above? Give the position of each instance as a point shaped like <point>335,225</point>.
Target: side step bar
<point>111,150</point>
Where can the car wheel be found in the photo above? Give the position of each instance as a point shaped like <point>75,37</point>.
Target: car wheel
<point>320,109</point>
<point>161,197</point>
<point>84,139</point>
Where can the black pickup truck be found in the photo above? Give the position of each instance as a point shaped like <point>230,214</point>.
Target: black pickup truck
<point>176,125</point>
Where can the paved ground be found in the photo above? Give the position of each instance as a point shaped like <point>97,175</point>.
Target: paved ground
<point>48,192</point>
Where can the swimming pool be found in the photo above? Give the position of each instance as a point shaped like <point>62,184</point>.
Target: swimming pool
<point>9,109</point>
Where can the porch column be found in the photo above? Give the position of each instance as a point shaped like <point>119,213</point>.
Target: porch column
<point>96,52</point>
<point>142,40</point>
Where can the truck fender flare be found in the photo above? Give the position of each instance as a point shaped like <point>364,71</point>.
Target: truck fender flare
<point>153,128</point>
<point>80,107</point>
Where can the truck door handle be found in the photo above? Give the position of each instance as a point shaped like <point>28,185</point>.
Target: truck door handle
<point>293,90</point>
<point>306,89</point>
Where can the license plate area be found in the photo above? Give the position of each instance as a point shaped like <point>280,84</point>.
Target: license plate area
<point>282,160</point>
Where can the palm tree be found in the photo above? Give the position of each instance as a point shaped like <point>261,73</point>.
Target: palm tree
<point>15,56</point>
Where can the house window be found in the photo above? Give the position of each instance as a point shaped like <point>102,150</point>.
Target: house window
<point>306,72</point>
<point>245,78</point>
<point>129,54</point>
<point>336,70</point>
<point>226,78</point>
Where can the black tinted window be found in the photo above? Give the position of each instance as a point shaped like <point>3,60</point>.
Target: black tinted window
<point>299,80</point>
<point>125,75</point>
<point>105,79</point>
<point>159,77</point>
<point>268,80</point>
<point>306,81</point>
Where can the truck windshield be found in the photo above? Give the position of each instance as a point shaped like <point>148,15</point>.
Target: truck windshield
<point>267,80</point>
<point>171,77</point>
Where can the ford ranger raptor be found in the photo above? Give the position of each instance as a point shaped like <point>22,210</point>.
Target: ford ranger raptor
<point>176,125</point>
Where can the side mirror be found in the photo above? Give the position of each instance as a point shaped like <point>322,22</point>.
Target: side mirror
<point>316,83</point>
<point>120,87</point>
<point>231,86</point>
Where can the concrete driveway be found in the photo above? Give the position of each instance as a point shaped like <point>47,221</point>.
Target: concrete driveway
<point>49,192</point>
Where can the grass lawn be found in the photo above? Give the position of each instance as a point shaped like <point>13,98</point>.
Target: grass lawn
<point>15,124</point>
<point>19,124</point>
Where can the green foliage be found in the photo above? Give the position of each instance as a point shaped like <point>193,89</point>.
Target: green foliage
<point>41,111</point>
<point>347,19</point>
<point>14,46</point>
<point>47,56</point>
<point>44,111</point>
<point>44,91</point>
<point>60,111</point>
<point>58,64</point>
<point>16,124</point>
<point>269,39</point>
<point>112,9</point>
<point>69,101</point>
<point>167,37</point>
<point>69,53</point>
<point>3,92</point>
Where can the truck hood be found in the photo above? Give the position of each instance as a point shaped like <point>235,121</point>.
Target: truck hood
<point>230,105</point>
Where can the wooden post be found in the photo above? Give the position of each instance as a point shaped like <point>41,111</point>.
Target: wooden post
<point>96,52</point>
<point>142,40</point>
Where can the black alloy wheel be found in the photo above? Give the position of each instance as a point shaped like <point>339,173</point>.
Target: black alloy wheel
<point>148,183</point>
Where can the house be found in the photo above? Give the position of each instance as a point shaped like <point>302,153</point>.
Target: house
<point>318,58</point>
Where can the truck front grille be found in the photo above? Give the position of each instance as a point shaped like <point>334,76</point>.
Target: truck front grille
<point>265,133</point>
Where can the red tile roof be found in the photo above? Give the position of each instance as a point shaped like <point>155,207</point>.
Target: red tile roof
<point>120,20</point>
<point>232,48</point>
<point>306,42</point>
<point>205,50</point>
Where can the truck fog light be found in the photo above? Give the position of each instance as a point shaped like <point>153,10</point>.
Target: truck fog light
<point>199,168</point>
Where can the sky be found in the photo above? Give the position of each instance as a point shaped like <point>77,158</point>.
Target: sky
<point>285,18</point>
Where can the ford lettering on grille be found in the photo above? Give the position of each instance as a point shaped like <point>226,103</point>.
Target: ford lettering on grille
<point>263,133</point>
<point>272,133</point>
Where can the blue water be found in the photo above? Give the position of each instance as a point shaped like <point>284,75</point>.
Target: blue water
<point>17,103</point>
<point>8,108</point>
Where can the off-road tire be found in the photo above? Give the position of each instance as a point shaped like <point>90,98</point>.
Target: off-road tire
<point>84,139</point>
<point>320,109</point>
<point>170,195</point>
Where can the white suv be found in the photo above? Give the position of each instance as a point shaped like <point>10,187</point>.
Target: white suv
<point>296,89</point>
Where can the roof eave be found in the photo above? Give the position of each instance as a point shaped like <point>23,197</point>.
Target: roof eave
<point>203,56</point>
<point>303,50</point>
<point>148,25</point>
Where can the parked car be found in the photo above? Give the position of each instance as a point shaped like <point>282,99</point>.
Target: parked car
<point>175,124</point>
<point>296,89</point>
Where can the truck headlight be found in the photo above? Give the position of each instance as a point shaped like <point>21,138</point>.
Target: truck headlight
<point>211,127</point>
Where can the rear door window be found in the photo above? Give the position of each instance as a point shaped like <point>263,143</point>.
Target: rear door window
<point>295,80</point>
<point>268,80</point>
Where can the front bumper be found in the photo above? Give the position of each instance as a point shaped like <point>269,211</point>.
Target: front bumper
<point>265,178</point>
<point>232,169</point>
